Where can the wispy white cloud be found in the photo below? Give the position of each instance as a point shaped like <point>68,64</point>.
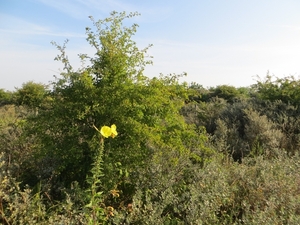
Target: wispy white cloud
<point>14,22</point>
<point>18,26</point>
<point>46,33</point>
<point>81,9</point>
<point>73,8</point>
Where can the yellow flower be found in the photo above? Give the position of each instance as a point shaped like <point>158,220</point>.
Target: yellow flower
<point>105,131</point>
<point>109,131</point>
<point>113,131</point>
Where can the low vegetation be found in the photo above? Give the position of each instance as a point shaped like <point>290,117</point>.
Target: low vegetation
<point>104,144</point>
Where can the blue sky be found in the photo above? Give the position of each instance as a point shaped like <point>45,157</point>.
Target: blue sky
<point>215,41</point>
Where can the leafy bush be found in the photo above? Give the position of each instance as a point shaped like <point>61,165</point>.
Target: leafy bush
<point>285,89</point>
<point>112,89</point>
<point>257,191</point>
<point>30,94</point>
<point>5,97</point>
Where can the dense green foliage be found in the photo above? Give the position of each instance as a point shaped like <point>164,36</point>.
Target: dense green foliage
<point>5,97</point>
<point>183,154</point>
<point>284,89</point>
<point>31,95</point>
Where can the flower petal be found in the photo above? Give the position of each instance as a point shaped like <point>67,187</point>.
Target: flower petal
<point>106,131</point>
<point>113,131</point>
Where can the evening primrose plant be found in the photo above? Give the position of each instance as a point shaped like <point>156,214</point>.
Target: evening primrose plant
<point>106,131</point>
<point>97,211</point>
